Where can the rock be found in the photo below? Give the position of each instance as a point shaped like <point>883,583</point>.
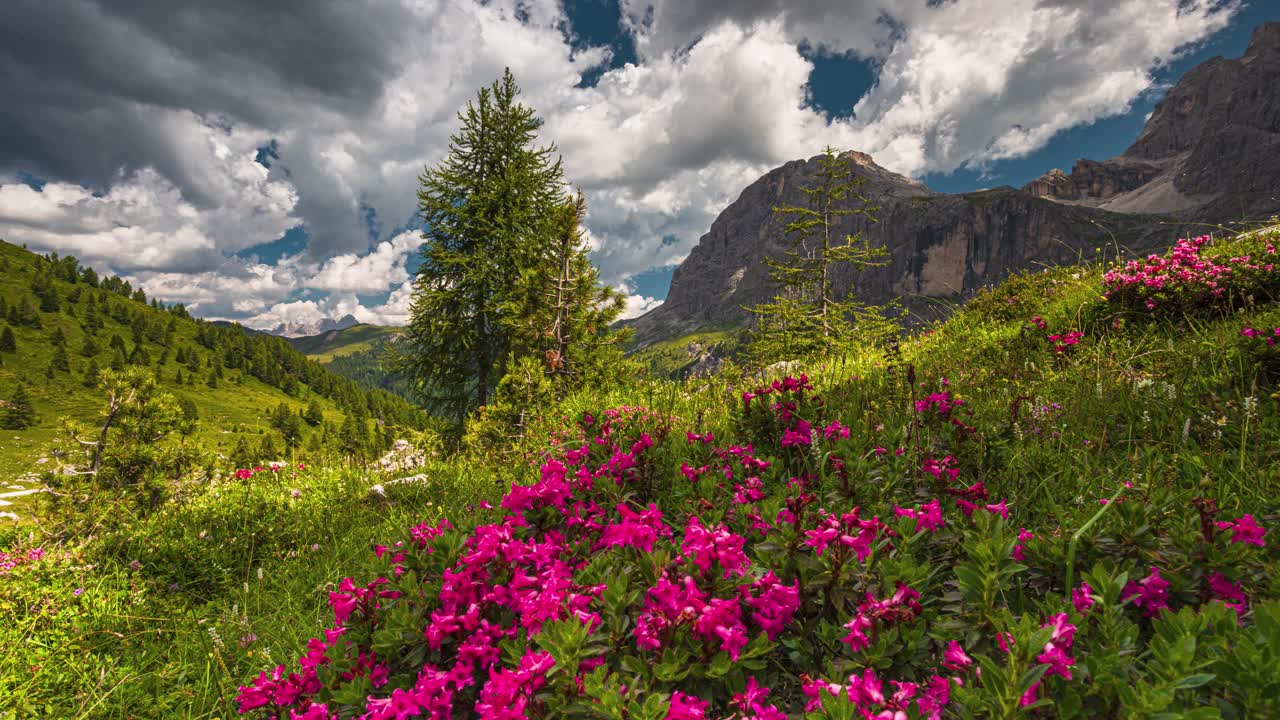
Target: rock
<point>781,369</point>
<point>941,246</point>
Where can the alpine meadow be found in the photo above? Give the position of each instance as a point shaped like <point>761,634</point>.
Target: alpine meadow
<point>880,452</point>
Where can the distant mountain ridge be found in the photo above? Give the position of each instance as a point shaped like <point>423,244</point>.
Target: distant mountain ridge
<point>315,327</point>
<point>1209,153</point>
<point>337,342</point>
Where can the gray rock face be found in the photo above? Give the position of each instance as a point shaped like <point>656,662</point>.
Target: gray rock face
<point>1210,152</point>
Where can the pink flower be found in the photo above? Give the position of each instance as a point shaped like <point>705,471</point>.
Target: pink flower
<point>1230,593</point>
<point>774,605</point>
<point>1244,530</point>
<point>686,707</point>
<point>1058,661</point>
<point>999,509</point>
<point>1063,631</point>
<point>1004,640</point>
<point>1082,598</point>
<point>1023,537</point>
<point>1151,593</point>
<point>717,544</point>
<point>955,658</point>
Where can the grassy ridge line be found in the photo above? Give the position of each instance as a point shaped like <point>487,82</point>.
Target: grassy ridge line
<point>324,347</point>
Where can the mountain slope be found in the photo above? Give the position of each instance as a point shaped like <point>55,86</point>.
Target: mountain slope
<point>234,379</point>
<point>336,343</point>
<point>1209,153</point>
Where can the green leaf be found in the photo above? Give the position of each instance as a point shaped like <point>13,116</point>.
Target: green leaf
<point>1194,681</point>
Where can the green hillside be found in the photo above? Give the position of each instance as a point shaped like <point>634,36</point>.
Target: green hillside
<point>359,353</point>
<point>339,343</point>
<point>64,319</point>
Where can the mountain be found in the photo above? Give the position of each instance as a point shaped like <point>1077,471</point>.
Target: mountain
<point>339,342</point>
<point>1209,153</point>
<point>316,327</point>
<point>358,353</point>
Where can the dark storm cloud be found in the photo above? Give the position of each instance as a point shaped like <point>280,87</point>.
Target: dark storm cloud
<point>80,78</point>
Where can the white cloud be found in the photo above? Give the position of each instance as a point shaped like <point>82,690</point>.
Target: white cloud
<point>638,305</point>
<point>660,147</point>
<point>368,274</point>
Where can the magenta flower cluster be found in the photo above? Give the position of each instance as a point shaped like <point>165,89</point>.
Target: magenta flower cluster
<point>10,561</point>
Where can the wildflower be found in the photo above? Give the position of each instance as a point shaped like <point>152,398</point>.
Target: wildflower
<point>1151,593</point>
<point>955,658</point>
<point>1082,598</point>
<point>77,592</point>
<point>999,509</point>
<point>1031,695</point>
<point>1230,593</point>
<point>1244,529</point>
<point>928,517</point>
<point>686,707</point>
<point>706,545</point>
<point>774,605</point>
<point>1058,661</point>
<point>1004,641</point>
<point>1023,537</point>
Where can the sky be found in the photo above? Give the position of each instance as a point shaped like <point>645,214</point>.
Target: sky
<point>258,160</point>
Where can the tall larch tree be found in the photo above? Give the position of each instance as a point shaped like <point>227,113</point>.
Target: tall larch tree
<point>487,210</point>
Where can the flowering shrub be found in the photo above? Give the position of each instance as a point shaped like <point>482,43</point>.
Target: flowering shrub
<point>10,561</point>
<point>1189,277</point>
<point>755,585</point>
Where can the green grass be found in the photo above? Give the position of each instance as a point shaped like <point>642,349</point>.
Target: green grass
<point>161,637</point>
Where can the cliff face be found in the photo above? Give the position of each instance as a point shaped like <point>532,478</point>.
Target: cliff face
<point>1210,152</point>
<point>941,246</point>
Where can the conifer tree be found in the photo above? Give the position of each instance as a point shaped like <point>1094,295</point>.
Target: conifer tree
<point>561,313</point>
<point>242,455</point>
<point>60,362</point>
<point>92,374</point>
<point>7,342</point>
<point>487,209</point>
<point>90,347</point>
<point>314,415</point>
<point>808,316</point>
<point>19,414</point>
